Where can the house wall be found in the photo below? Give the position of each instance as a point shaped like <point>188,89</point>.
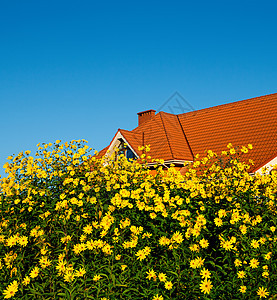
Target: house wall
<point>270,165</point>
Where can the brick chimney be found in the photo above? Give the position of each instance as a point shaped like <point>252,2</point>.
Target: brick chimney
<point>145,116</point>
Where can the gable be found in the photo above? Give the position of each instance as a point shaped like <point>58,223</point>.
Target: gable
<point>117,141</point>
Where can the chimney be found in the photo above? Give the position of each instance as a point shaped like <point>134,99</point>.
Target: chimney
<point>145,116</point>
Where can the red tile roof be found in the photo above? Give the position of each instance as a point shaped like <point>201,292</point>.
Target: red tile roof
<point>181,137</point>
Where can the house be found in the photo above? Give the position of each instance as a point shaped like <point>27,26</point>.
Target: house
<point>178,138</point>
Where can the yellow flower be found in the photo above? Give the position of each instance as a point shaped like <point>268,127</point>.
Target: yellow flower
<point>61,256</point>
<point>151,274</point>
<point>268,255</point>
<point>205,273</point>
<point>123,267</point>
<point>227,245</point>
<point>147,250</point>
<point>262,292</point>
<point>69,275</point>
<point>152,215</point>
<point>12,241</point>
<point>241,274</point>
<point>232,151</point>
<point>96,278</point>
<point>194,247</point>
<point>265,274</point>
<point>34,272</point>
<point>87,229</point>
<point>81,272</point>
<point>66,239</point>
<point>23,241</point>
<point>204,243</point>
<point>44,262</point>
<point>254,263</point>
<point>206,286</point>
<point>157,297</point>
<point>83,237</point>
<point>243,229</point>
<point>141,255</point>
<point>164,241</point>
<point>26,280</point>
<point>177,237</point>
<point>162,277</point>
<point>255,244</point>
<point>262,240</point>
<point>146,235</point>
<point>11,290</point>
<point>168,285</point>
<point>218,222</point>
<point>237,263</point>
<point>197,262</point>
<point>244,149</point>
<point>259,219</point>
<point>242,289</point>
<point>118,257</point>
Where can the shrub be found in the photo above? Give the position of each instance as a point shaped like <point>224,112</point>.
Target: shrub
<point>75,226</point>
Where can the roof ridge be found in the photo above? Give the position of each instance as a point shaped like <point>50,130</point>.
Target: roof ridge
<point>226,104</point>
<point>164,112</point>
<point>167,136</point>
<point>185,136</point>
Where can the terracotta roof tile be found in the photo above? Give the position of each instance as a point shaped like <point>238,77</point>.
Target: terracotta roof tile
<point>154,135</point>
<point>251,121</point>
<point>176,137</point>
<point>179,137</point>
<point>102,152</point>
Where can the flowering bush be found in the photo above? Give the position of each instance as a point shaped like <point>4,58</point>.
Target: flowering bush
<point>74,226</point>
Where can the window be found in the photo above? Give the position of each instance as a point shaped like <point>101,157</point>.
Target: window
<point>125,150</point>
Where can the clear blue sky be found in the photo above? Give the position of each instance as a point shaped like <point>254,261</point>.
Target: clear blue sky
<point>83,69</point>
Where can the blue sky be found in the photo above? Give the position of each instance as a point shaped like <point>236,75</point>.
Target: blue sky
<point>83,69</point>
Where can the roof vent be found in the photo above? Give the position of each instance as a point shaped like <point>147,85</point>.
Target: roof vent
<point>145,116</point>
